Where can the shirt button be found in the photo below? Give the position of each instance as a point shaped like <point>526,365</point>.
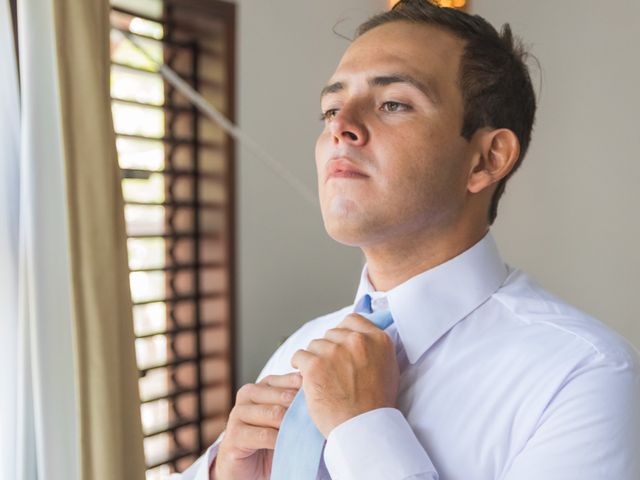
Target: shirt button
<point>380,303</point>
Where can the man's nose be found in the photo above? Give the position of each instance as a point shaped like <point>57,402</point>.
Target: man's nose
<point>348,127</point>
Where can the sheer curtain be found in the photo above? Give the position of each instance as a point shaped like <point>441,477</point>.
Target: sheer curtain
<point>69,398</point>
<point>9,204</point>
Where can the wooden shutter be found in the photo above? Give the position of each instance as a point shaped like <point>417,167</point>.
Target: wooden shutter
<point>178,182</point>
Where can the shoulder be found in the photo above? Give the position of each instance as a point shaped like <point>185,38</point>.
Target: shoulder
<point>536,312</point>
<point>560,360</point>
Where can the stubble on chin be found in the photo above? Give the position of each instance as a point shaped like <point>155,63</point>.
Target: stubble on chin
<point>345,221</point>
<point>341,207</point>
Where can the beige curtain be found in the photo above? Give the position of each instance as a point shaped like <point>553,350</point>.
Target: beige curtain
<point>110,431</point>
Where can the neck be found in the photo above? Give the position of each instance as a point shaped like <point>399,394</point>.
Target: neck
<point>391,263</point>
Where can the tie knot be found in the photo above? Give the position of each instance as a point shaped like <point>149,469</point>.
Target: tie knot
<point>381,318</point>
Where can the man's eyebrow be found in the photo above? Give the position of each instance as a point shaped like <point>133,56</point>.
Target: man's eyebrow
<point>331,88</point>
<point>384,80</point>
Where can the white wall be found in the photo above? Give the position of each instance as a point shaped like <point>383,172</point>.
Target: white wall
<point>290,270</point>
<point>570,215</point>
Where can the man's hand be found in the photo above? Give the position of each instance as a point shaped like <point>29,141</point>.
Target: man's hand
<point>246,450</point>
<point>352,370</point>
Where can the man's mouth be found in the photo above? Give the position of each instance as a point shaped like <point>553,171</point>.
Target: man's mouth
<point>342,167</point>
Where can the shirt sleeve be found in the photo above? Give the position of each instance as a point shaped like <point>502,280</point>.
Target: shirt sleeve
<point>591,428</point>
<point>199,470</point>
<point>377,445</point>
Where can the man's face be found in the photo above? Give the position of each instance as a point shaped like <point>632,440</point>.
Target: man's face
<point>393,112</point>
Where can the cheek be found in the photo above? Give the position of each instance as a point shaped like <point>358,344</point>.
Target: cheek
<point>320,153</point>
<point>407,158</point>
<point>317,152</point>
<point>427,168</point>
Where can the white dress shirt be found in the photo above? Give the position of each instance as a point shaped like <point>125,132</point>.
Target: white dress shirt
<point>500,380</point>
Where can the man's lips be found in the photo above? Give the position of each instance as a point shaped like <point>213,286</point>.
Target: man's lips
<point>343,168</point>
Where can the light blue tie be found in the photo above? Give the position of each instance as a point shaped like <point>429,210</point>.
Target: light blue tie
<point>299,442</point>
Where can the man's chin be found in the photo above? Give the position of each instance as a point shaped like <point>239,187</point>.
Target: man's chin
<point>347,233</point>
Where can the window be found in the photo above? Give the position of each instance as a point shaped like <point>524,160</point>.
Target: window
<point>178,179</point>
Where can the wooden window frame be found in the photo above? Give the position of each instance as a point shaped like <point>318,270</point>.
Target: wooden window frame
<point>174,270</point>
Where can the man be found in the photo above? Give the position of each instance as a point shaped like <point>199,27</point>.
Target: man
<point>482,375</point>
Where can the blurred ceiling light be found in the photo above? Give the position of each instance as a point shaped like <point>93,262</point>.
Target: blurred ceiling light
<point>442,3</point>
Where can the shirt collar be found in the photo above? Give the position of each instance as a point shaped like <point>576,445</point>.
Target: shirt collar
<point>429,304</point>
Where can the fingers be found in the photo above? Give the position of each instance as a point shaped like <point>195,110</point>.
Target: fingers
<point>333,340</point>
<point>338,335</point>
<point>303,359</point>
<point>354,334</point>
<point>325,347</point>
<point>290,380</point>
<point>358,323</point>
<point>260,415</point>
<point>338,345</point>
<point>249,437</point>
<point>263,393</point>
<point>256,417</point>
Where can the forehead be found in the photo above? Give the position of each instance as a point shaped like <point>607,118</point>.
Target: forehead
<point>429,53</point>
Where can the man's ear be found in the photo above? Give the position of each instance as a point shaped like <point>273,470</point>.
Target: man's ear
<point>496,153</point>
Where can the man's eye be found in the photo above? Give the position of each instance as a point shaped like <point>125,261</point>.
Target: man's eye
<point>395,107</point>
<point>327,114</point>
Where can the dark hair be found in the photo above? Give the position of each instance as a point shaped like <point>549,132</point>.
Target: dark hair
<point>494,78</point>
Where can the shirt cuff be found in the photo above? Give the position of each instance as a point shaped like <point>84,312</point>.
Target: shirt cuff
<point>378,444</point>
<point>200,468</point>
